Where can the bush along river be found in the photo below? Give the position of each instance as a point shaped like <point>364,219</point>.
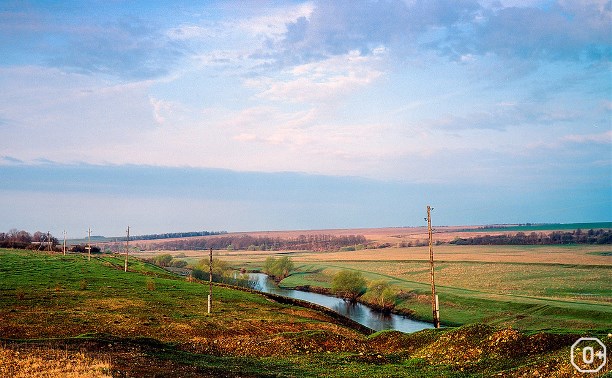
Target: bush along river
<point>358,312</point>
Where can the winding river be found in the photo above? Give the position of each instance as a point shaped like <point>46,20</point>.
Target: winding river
<point>356,311</point>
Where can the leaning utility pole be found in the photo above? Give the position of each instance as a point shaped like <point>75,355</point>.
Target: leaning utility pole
<point>210,281</point>
<point>89,244</point>
<point>434,296</point>
<point>127,248</point>
<point>64,245</point>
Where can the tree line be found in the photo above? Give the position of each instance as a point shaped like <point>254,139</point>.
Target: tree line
<point>591,236</point>
<point>21,239</point>
<point>315,242</point>
<point>174,235</point>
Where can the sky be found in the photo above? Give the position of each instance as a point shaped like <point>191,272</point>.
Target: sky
<point>277,115</point>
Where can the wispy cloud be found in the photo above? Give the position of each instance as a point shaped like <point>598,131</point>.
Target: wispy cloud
<point>504,115</point>
<point>320,81</point>
<point>564,30</point>
<point>129,48</point>
<point>599,138</point>
<point>460,30</point>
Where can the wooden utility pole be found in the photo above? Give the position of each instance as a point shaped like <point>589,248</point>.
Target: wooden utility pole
<point>210,282</point>
<point>127,248</point>
<point>89,244</point>
<point>49,241</point>
<point>434,297</point>
<point>64,245</point>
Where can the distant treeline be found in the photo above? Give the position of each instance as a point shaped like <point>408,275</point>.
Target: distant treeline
<point>541,227</point>
<point>174,235</point>
<point>20,239</point>
<point>600,236</point>
<point>24,240</point>
<point>319,242</point>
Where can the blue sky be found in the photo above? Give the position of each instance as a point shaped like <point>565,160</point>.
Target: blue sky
<point>267,115</point>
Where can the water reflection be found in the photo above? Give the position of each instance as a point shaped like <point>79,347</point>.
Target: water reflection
<point>356,311</point>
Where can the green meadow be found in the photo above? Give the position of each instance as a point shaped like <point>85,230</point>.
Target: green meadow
<point>533,288</point>
<point>148,322</point>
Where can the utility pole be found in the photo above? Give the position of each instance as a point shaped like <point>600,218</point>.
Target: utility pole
<point>210,281</point>
<point>127,248</point>
<point>434,297</point>
<point>49,240</point>
<point>64,245</point>
<point>89,244</point>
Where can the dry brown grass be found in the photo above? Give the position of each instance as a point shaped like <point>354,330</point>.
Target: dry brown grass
<point>576,254</point>
<point>37,361</point>
<point>396,237</point>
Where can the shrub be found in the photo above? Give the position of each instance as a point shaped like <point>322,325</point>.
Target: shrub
<point>278,268</point>
<point>381,295</point>
<point>220,269</point>
<point>179,263</point>
<point>348,284</point>
<point>163,260</point>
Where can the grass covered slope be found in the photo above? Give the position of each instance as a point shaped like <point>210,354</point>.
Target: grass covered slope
<point>67,296</point>
<point>146,322</point>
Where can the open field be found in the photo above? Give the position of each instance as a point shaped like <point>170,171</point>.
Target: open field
<point>530,287</point>
<point>147,322</point>
<point>556,254</point>
<point>390,236</point>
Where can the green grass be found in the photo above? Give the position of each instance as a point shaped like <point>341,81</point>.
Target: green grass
<point>526,296</point>
<point>308,275</point>
<point>605,253</point>
<point>50,288</point>
<point>50,298</point>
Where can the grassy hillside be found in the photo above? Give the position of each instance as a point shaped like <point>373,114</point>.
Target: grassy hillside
<point>146,322</point>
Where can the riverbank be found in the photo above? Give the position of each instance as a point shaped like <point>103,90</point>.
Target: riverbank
<point>354,310</point>
<point>408,313</point>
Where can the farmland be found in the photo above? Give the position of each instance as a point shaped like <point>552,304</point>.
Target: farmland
<point>508,310</point>
<point>530,287</point>
<point>146,322</point>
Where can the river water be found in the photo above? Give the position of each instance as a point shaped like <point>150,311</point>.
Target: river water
<point>356,311</point>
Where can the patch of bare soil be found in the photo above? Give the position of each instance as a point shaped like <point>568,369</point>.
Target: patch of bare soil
<point>478,349</point>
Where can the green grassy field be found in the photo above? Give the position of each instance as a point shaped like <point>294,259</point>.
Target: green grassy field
<point>558,288</point>
<point>526,296</point>
<point>147,322</point>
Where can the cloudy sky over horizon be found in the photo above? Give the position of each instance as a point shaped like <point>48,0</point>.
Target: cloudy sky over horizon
<point>303,115</point>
